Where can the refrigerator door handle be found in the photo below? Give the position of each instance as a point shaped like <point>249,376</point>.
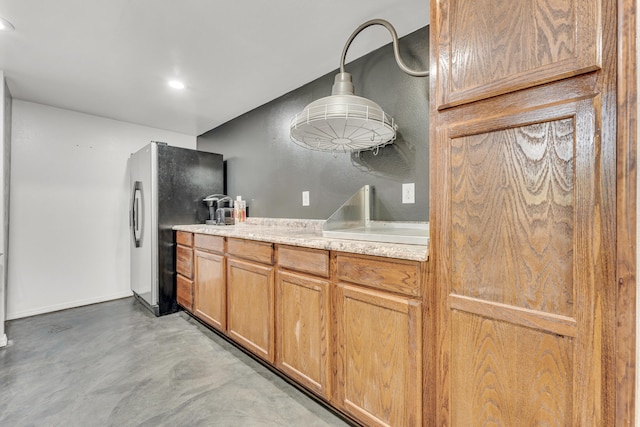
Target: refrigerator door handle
<point>136,216</point>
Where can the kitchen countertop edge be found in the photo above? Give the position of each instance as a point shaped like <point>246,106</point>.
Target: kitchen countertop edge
<point>308,234</point>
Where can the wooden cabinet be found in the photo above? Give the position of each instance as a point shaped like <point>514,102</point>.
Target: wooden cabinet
<point>523,170</point>
<point>184,292</point>
<point>210,299</point>
<point>250,296</point>
<point>303,317</point>
<point>379,340</point>
<point>386,274</point>
<point>184,269</point>
<point>484,48</point>
<point>347,327</point>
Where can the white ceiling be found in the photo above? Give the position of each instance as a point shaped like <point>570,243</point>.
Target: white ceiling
<point>113,58</point>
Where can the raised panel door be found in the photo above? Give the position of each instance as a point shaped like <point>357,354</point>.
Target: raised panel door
<point>250,303</point>
<point>379,348</point>
<point>525,274</point>
<point>303,310</point>
<point>210,299</point>
<point>485,48</point>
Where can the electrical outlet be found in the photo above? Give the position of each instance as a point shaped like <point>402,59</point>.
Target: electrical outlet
<point>409,193</point>
<point>305,198</point>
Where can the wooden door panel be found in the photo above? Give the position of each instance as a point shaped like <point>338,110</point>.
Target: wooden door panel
<point>523,210</point>
<point>509,375</point>
<point>303,330</point>
<point>511,200</point>
<point>379,371</point>
<point>486,48</point>
<point>210,303</point>
<point>250,293</point>
<point>524,330</point>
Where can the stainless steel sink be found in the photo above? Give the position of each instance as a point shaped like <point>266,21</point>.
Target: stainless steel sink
<point>352,221</point>
<point>388,232</point>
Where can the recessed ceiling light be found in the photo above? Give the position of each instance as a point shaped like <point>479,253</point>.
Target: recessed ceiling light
<point>176,84</point>
<point>6,25</point>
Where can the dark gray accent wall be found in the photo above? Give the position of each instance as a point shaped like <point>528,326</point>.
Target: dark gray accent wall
<point>270,171</point>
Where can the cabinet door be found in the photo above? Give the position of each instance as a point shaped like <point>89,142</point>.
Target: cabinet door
<point>526,269</point>
<point>250,289</point>
<point>379,367</point>
<point>302,307</point>
<point>523,211</point>
<point>210,300</point>
<point>485,48</point>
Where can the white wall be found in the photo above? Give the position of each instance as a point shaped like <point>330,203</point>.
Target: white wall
<point>69,237</point>
<point>5,168</point>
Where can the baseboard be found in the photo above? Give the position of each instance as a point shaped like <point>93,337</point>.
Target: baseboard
<point>3,340</point>
<point>66,305</point>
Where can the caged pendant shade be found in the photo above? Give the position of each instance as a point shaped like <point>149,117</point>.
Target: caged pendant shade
<point>346,122</point>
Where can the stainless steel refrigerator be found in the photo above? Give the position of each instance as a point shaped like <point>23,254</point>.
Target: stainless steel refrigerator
<point>167,188</point>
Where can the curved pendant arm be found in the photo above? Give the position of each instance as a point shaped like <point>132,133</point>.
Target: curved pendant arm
<point>396,49</point>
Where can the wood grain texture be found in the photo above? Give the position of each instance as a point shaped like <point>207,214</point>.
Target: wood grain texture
<point>589,239</point>
<point>485,93</point>
<point>210,289</point>
<point>512,200</point>
<point>250,306</point>
<point>251,250</point>
<point>337,390</point>
<point>305,260</point>
<point>440,216</point>
<point>386,274</point>
<point>555,324</point>
<point>184,238</point>
<point>485,48</point>
<point>184,261</point>
<point>184,292</point>
<point>627,175</point>
<point>209,242</point>
<point>509,375</point>
<point>429,347</point>
<point>302,333</point>
<point>379,356</point>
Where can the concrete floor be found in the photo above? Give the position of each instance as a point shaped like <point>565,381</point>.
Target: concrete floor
<point>115,364</point>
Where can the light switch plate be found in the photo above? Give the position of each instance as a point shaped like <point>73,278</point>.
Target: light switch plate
<point>409,193</point>
<point>305,198</point>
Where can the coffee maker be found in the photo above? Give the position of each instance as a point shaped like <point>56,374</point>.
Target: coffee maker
<point>219,214</point>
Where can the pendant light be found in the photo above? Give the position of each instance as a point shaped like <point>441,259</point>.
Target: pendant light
<point>346,122</point>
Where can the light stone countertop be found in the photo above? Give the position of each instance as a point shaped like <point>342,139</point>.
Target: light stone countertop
<point>308,234</point>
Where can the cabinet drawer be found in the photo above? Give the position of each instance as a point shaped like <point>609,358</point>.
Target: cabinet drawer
<point>184,238</point>
<point>209,242</point>
<point>184,261</point>
<point>393,275</point>
<point>312,261</point>
<point>184,292</point>
<point>249,249</point>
